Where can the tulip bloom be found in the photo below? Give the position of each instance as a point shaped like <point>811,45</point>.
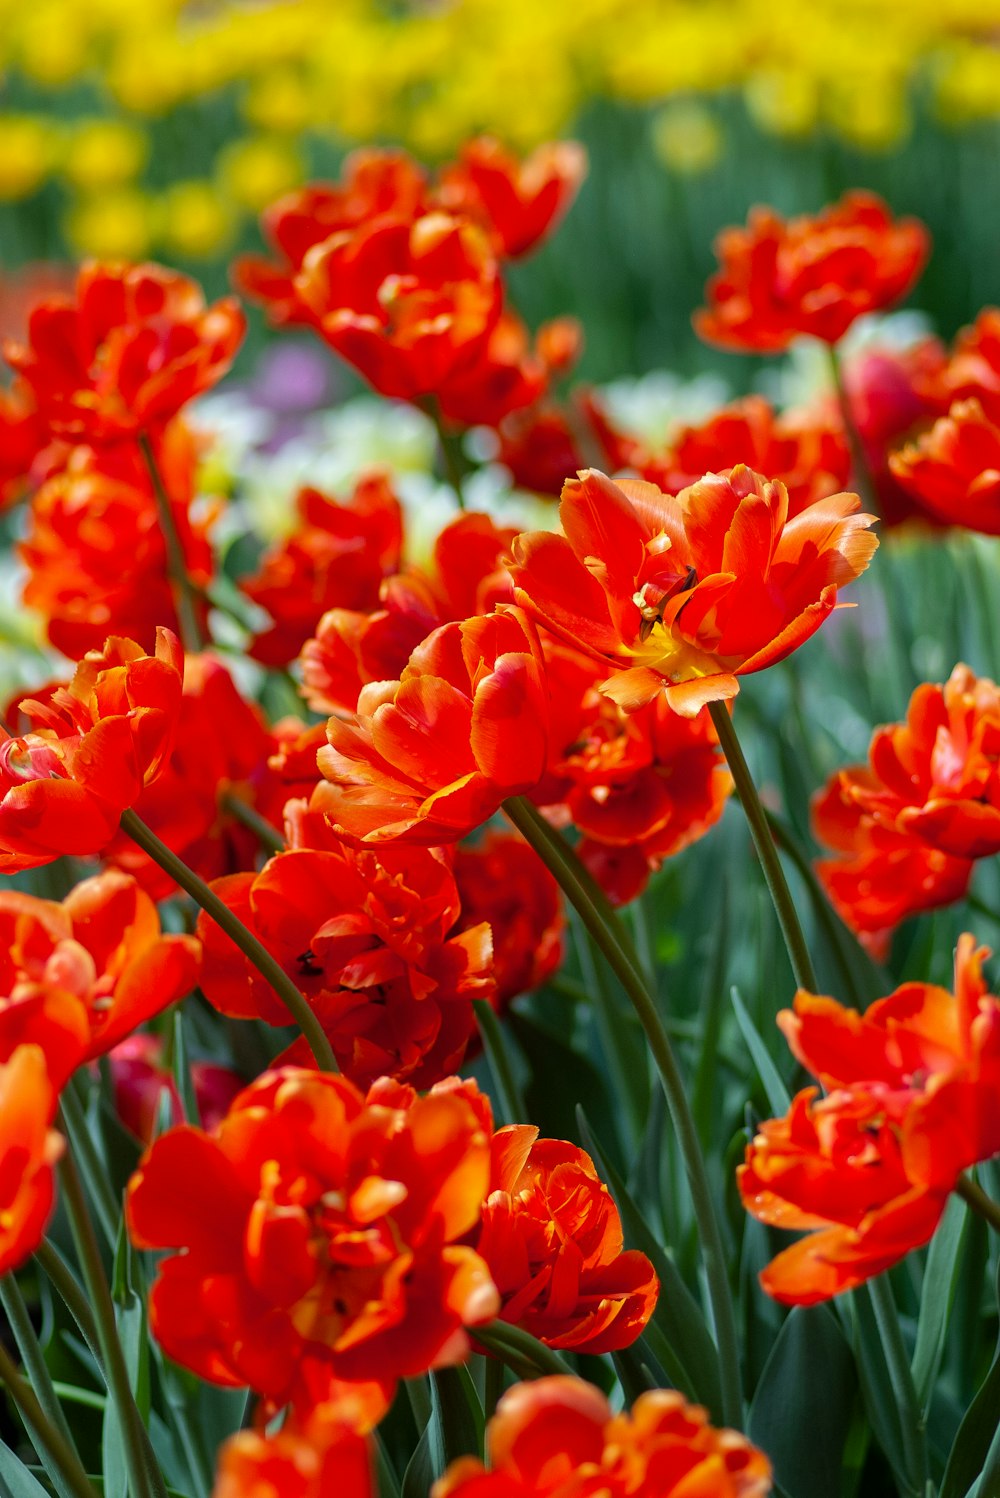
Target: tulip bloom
<point>376,183</point>
<point>22,437</point>
<point>122,356</point>
<point>434,754</point>
<point>973,371</point>
<point>953,471</point>
<point>372,942</point>
<point>95,744</point>
<point>504,882</point>
<point>318,1233</point>
<point>684,594</point>
<point>934,777</point>
<point>89,515</point>
<point>409,303</point>
<point>325,1451</point>
<point>76,978</point>
<point>552,1239</point>
<point>557,1438</point>
<point>869,1168</point>
<point>336,557</point>
<point>29,1150</point>
<point>518,203</point>
<point>352,648</point>
<point>814,275</point>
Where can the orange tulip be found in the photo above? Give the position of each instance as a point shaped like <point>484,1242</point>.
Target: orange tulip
<point>90,514</point>
<point>122,356</point>
<point>954,470</point>
<point>325,1451</point>
<point>29,1149</point>
<point>76,978</point>
<point>22,439</point>
<point>410,303</point>
<point>335,558</point>
<point>684,594</point>
<point>815,275</point>
<point>433,755</point>
<point>973,371</point>
<point>95,744</point>
<point>503,882</point>
<point>319,1235</point>
<point>376,183</point>
<point>509,373</point>
<point>373,943</point>
<point>552,1239</point>
<point>557,1438</point>
<point>518,203</point>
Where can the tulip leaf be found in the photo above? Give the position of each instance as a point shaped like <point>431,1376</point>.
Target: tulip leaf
<point>15,1479</point>
<point>183,1080</point>
<point>802,1421</point>
<point>684,1345</point>
<point>976,1438</point>
<point>941,1275</point>
<point>774,1088</point>
<point>457,1414</point>
<point>873,1374</point>
<point>420,1476</point>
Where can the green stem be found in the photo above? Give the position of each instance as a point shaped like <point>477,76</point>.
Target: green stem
<point>31,1354</point>
<point>860,469</point>
<point>65,1283</point>
<point>185,598</point>
<point>901,1378</point>
<point>94,1171</point>
<point>774,874</point>
<point>270,970</point>
<point>50,1440</point>
<point>264,831</point>
<point>513,1342</point>
<point>145,1477</point>
<point>510,1097</point>
<point>975,1197</point>
<point>452,457</point>
<point>560,858</point>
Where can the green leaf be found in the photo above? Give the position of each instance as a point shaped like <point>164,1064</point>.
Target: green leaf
<point>876,1385</point>
<point>182,1072</point>
<point>457,1417</point>
<point>774,1088</point>
<point>687,1351</point>
<point>941,1275</point>
<point>15,1479</point>
<point>801,1412</point>
<point>420,1475</point>
<point>975,1436</point>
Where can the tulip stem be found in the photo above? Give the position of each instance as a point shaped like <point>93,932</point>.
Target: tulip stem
<point>449,445</point>
<point>897,1362</point>
<point>145,1477</point>
<point>31,1354</point>
<point>46,1435</point>
<point>266,834</point>
<point>270,970</point>
<point>185,597</point>
<point>512,1344</point>
<point>579,889</point>
<point>860,467</point>
<point>975,1197</point>
<point>767,852</point>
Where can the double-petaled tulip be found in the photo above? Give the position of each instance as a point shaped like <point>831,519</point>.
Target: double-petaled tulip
<point>433,755</point>
<point>98,509</point>
<point>935,777</point>
<point>93,745</point>
<point>779,279</point>
<point>316,1235</point>
<point>518,202</point>
<point>371,940</point>
<point>77,977</point>
<point>509,373</point>
<point>375,183</point>
<point>335,558</point>
<point>326,1450</point>
<point>868,1168</point>
<point>953,471</point>
<point>503,882</point>
<point>552,1239</point>
<point>29,1149</point>
<point>973,371</point>
<point>683,594</point>
<point>122,356</point>
<point>558,1438</point>
<point>352,647</point>
<point>22,438</point>
<point>410,303</point>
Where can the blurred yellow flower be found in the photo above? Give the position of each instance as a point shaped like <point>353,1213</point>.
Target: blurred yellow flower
<point>195,221</point>
<point>27,148</point>
<point>103,153</point>
<point>686,137</point>
<point>116,225</point>
<point>256,170</point>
